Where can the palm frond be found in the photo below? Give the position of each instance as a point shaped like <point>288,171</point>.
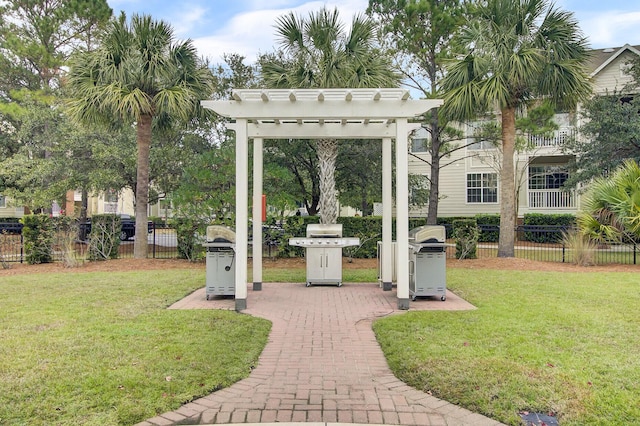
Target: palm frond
<point>320,54</point>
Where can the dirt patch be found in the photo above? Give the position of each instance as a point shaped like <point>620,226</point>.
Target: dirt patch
<point>291,263</point>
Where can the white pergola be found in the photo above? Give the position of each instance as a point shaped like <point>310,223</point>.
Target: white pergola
<point>322,114</point>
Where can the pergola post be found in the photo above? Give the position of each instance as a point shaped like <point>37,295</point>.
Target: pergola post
<point>402,214</point>
<point>242,222</point>
<point>257,213</point>
<point>387,212</point>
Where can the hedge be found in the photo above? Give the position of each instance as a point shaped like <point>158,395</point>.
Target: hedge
<point>37,234</point>
<point>489,225</point>
<point>551,222</point>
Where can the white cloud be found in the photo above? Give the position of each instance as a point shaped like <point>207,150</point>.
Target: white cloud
<point>251,33</point>
<point>184,22</point>
<point>611,28</point>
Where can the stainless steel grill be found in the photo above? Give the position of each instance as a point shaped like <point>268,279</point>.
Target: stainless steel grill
<point>425,237</point>
<point>323,252</point>
<point>427,264</point>
<point>220,273</point>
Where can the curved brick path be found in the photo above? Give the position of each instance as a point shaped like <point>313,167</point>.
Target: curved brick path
<point>321,364</point>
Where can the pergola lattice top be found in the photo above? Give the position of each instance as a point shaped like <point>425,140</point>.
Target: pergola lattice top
<point>280,113</point>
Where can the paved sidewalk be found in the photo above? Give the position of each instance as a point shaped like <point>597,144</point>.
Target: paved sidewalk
<point>322,364</point>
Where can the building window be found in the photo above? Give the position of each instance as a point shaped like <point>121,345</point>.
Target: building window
<point>420,140</point>
<point>3,201</point>
<point>547,177</point>
<point>419,145</point>
<point>483,135</point>
<point>482,188</point>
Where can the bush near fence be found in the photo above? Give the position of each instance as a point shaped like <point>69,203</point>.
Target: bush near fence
<point>466,234</point>
<point>545,223</point>
<point>535,242</point>
<point>38,234</point>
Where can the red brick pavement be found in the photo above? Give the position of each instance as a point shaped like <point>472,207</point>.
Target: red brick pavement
<point>321,364</point>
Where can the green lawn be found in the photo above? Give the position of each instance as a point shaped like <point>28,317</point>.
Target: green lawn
<point>566,343</point>
<point>101,349</point>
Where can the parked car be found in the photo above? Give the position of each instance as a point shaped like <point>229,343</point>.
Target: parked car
<point>127,230</point>
<point>11,228</point>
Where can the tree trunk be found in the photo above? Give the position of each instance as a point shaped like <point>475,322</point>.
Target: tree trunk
<point>506,242</point>
<point>327,154</point>
<point>143,140</point>
<point>434,177</point>
<point>85,205</point>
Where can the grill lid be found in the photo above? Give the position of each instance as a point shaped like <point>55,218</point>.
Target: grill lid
<point>220,234</point>
<point>317,230</point>
<point>428,234</point>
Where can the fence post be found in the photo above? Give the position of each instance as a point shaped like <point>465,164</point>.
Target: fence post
<point>154,240</point>
<point>21,247</point>
<point>563,252</point>
<point>634,252</point>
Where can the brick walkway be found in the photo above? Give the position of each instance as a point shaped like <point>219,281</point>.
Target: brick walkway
<point>321,364</point>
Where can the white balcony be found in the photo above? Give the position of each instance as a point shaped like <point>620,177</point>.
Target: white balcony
<point>559,138</point>
<point>551,199</point>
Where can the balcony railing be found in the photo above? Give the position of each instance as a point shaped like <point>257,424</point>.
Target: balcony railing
<point>551,199</point>
<point>559,138</point>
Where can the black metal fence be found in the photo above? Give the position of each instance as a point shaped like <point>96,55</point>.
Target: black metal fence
<point>543,243</point>
<point>163,244</point>
<point>546,243</point>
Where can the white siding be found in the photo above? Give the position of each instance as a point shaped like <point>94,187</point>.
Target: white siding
<point>453,200</point>
<point>613,77</point>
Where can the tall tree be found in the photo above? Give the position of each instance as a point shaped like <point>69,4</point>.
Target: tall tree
<point>609,136</point>
<point>319,53</point>
<point>37,36</point>
<point>420,33</point>
<point>300,161</point>
<point>139,73</point>
<point>515,50</point>
<point>359,174</point>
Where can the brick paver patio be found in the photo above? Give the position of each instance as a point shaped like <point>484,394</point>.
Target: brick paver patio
<point>321,364</point>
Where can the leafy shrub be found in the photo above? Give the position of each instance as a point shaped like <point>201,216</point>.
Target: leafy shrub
<point>489,225</point>
<point>294,226</point>
<point>447,222</point>
<point>187,233</point>
<point>466,233</point>
<point>368,229</point>
<point>104,239</point>
<point>543,228</point>
<point>37,235</point>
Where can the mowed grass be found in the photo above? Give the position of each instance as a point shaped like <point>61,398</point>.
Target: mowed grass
<point>102,349</point>
<point>549,342</point>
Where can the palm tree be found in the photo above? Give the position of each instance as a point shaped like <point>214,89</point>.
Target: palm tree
<point>611,208</point>
<point>318,53</point>
<point>139,73</point>
<point>517,51</point>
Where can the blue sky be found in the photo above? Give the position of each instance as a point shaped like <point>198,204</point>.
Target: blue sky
<point>246,26</point>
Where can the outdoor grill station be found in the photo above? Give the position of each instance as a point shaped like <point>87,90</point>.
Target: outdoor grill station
<point>323,252</point>
<point>220,273</point>
<point>365,114</point>
<point>427,267</point>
